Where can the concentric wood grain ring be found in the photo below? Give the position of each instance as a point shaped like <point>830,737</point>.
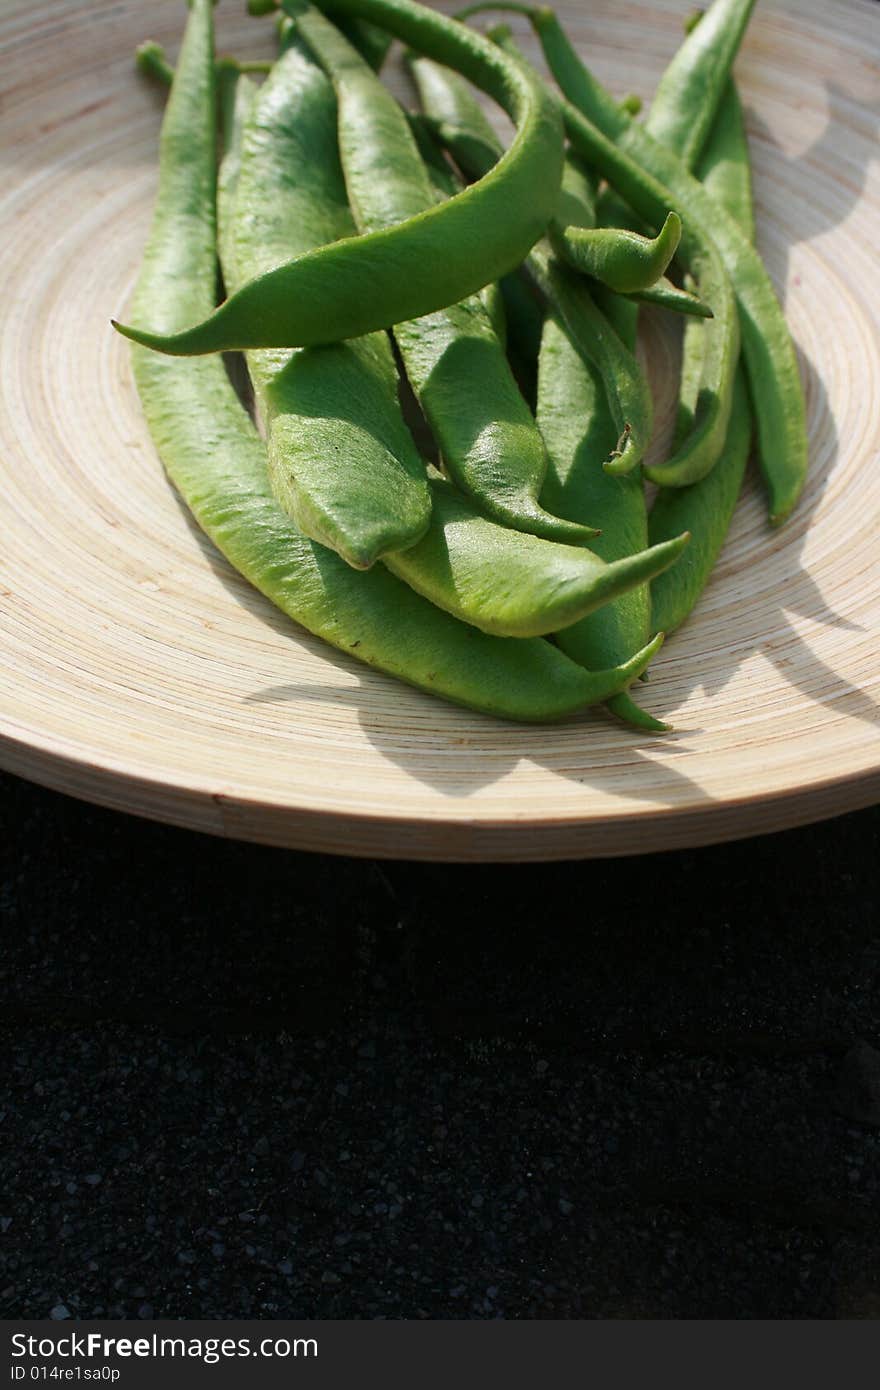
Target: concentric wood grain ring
<point>139,671</point>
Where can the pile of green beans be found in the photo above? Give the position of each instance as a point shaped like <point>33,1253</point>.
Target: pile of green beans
<point>439,467</point>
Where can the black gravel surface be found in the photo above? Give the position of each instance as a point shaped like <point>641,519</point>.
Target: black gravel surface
<point>245,1082</point>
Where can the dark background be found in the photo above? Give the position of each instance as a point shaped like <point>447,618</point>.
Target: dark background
<point>247,1082</point>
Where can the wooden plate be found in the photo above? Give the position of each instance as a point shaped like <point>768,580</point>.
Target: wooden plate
<point>140,672</point>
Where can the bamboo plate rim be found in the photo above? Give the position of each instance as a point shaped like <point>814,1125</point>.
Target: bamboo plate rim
<point>333,832</point>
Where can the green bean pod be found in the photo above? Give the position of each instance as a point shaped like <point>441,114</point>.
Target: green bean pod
<point>682,113</point>
<point>698,453</point>
<point>341,460</point>
<point>724,168</point>
<point>445,183</point>
<point>574,413</point>
<point>688,94</point>
<point>626,389</point>
<point>576,423</point>
<point>615,255</point>
<point>517,585</point>
<point>488,440</point>
<point>706,509</point>
<point>624,382</point>
<point>690,377</point>
<point>237,94</point>
<point>629,397</point>
<point>652,179</point>
<point>665,295</point>
<point>372,43</point>
<point>462,127</point>
<point>482,573</point>
<point>624,261</point>
<point>449,251</point>
<point>370,615</point>
<point>622,310</point>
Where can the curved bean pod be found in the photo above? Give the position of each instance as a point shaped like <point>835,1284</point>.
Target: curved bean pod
<point>441,256</point>
<point>651,179</point>
<point>372,615</point>
<point>445,184</point>
<point>460,125</point>
<point>698,453</point>
<point>624,261</point>
<point>665,295</point>
<point>516,585</point>
<point>611,212</point>
<point>488,439</point>
<point>614,253</point>
<point>683,112</point>
<point>625,385</point>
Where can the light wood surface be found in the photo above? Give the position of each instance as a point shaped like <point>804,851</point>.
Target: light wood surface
<point>140,672</point>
